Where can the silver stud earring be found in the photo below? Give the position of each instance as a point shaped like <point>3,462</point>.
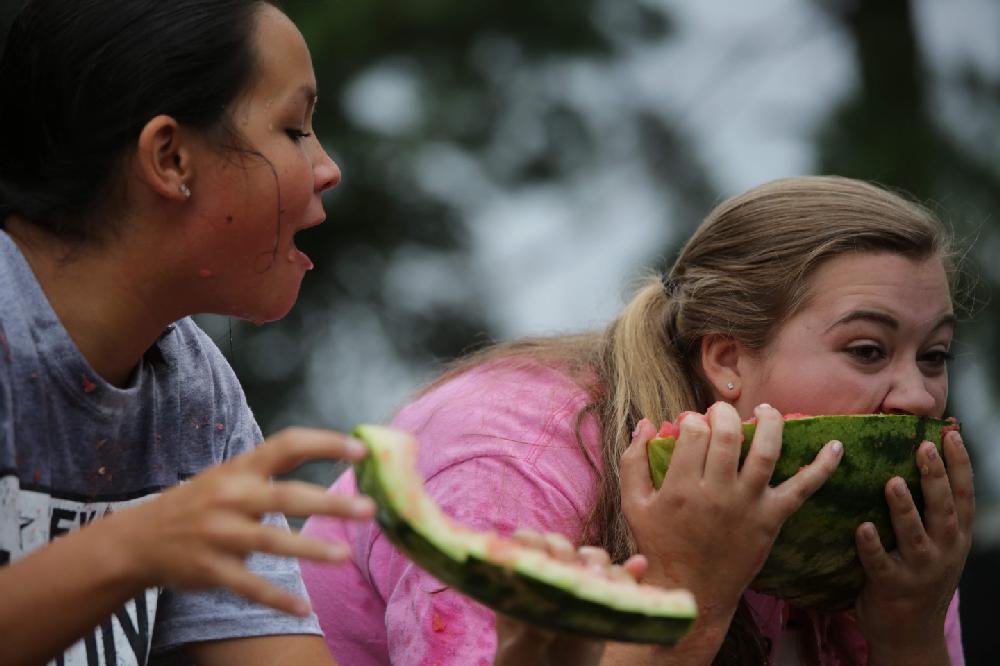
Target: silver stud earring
<point>185,190</point>
<point>730,386</point>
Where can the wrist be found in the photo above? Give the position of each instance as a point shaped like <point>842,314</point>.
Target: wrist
<point>119,542</point>
<point>713,608</point>
<point>910,654</point>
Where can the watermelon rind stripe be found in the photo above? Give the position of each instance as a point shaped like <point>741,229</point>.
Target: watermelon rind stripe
<point>814,561</point>
<point>521,582</point>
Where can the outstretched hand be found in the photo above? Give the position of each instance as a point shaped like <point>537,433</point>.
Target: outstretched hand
<point>902,608</point>
<point>710,526</point>
<point>521,644</point>
<point>199,534</point>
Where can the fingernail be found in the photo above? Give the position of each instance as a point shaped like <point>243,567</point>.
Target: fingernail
<point>638,427</point>
<point>362,507</point>
<point>355,448</point>
<point>899,488</point>
<point>931,451</point>
<point>837,447</point>
<point>868,531</point>
<point>336,552</point>
<point>763,405</point>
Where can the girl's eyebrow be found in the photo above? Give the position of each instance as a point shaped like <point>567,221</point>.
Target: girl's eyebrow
<point>887,320</point>
<point>307,93</point>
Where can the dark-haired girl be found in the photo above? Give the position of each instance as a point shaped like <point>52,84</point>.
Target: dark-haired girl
<point>156,161</point>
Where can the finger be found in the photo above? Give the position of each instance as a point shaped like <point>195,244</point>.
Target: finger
<point>294,498</point>
<point>723,458</point>
<point>618,573</point>
<point>877,563</point>
<point>291,447</point>
<point>559,547</point>
<point>242,539</point>
<point>940,518</point>
<point>636,566</point>
<point>961,479</point>
<point>912,541</point>
<point>593,556</point>
<point>636,484</point>
<point>764,449</point>
<point>528,537</point>
<point>298,498</point>
<point>794,491</point>
<point>234,576</point>
<point>688,459</point>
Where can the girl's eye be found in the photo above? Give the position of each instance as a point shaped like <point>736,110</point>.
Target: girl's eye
<point>938,358</point>
<point>867,353</point>
<point>297,134</point>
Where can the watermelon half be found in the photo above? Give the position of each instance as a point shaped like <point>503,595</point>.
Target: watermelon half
<point>814,561</point>
<point>520,581</point>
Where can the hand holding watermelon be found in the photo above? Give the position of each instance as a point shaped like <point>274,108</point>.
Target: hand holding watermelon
<point>523,644</point>
<point>907,592</point>
<point>710,526</point>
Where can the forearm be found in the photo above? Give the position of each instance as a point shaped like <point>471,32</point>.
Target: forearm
<point>302,649</point>
<point>698,648</point>
<point>59,593</point>
<point>934,655</point>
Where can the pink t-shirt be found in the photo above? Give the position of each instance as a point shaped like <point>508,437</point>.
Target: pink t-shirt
<point>498,450</point>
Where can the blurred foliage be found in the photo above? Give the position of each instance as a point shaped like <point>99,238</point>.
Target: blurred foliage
<point>468,65</point>
<point>888,131</point>
<point>481,78</point>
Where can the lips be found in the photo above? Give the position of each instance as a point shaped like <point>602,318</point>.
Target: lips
<point>297,256</point>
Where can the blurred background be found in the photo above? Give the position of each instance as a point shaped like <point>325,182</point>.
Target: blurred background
<point>511,166</point>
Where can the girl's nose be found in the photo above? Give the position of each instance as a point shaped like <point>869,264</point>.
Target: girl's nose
<point>911,394</point>
<point>326,172</point>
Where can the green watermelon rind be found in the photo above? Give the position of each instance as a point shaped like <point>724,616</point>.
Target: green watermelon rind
<point>529,586</point>
<point>814,561</point>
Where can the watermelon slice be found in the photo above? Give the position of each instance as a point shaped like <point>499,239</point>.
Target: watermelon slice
<point>522,582</point>
<point>814,562</point>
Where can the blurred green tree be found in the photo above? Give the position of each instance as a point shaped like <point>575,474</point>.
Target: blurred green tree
<point>405,85</point>
<point>891,129</point>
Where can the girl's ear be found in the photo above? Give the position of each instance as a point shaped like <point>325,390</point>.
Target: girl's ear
<point>163,159</point>
<point>720,361</point>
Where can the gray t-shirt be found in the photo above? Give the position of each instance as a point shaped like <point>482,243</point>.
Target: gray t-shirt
<point>74,448</point>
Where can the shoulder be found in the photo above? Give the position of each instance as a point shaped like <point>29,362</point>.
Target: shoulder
<point>484,394</point>
<point>207,384</point>
<point>519,410</point>
<point>196,358</point>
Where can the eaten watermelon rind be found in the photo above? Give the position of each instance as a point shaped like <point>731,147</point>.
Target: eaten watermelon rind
<point>814,562</point>
<point>522,582</point>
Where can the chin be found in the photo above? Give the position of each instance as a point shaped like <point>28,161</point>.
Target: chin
<point>262,313</point>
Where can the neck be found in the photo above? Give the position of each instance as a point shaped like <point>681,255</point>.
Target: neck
<point>104,295</point>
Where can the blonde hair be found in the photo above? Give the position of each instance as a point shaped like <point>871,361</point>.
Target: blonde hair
<point>743,273</point>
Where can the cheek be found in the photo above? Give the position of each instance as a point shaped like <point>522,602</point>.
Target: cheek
<point>939,389</point>
<point>818,384</point>
<point>296,186</point>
